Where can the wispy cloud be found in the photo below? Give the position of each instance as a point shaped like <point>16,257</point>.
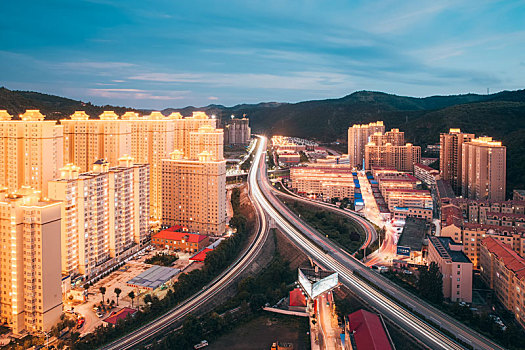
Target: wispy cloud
<point>135,94</point>
<point>97,65</point>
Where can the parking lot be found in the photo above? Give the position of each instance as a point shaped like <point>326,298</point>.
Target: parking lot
<point>118,279</point>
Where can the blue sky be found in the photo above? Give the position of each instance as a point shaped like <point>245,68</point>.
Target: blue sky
<point>173,53</point>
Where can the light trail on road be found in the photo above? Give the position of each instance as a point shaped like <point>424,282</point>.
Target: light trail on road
<point>330,257</point>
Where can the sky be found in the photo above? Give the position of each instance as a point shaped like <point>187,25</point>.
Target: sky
<point>173,53</point>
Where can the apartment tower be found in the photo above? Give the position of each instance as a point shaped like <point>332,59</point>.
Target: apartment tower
<point>87,140</point>
<point>357,139</point>
<point>30,228</point>
<point>30,151</point>
<point>194,193</point>
<point>484,169</point>
<point>105,214</point>
<point>450,155</point>
<point>237,131</point>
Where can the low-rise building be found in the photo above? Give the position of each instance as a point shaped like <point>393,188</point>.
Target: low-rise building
<point>289,157</point>
<point>408,198</point>
<point>455,267</point>
<point>366,330</point>
<point>412,240</point>
<point>328,181</point>
<point>518,195</point>
<point>178,238</point>
<point>426,174</point>
<point>401,213</point>
<point>504,271</point>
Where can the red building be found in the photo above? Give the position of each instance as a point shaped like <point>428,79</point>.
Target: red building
<point>366,331</point>
<point>297,300</point>
<point>178,238</point>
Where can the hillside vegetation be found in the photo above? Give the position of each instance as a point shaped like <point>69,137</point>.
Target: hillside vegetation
<point>500,115</point>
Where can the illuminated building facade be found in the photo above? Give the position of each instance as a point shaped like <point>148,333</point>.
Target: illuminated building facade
<point>401,158</point>
<point>30,228</point>
<point>30,151</point>
<point>194,193</point>
<point>450,156</point>
<point>484,169</point>
<point>357,139</point>
<point>328,181</point>
<point>87,140</point>
<point>105,214</point>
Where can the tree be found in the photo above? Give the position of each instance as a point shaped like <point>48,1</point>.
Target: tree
<point>102,291</point>
<point>117,292</point>
<point>430,283</point>
<point>131,295</point>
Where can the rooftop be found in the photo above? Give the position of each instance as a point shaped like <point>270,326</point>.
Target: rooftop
<point>119,315</point>
<point>297,297</point>
<point>154,277</point>
<point>443,247</point>
<point>444,189</point>
<point>201,256</point>
<point>179,234</point>
<point>413,234</point>
<point>368,331</point>
<point>512,260</point>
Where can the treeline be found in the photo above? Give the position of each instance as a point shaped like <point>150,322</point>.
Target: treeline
<point>338,228</point>
<point>188,283</point>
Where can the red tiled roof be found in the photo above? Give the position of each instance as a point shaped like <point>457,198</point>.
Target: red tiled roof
<point>297,298</point>
<point>178,236</point>
<point>119,315</point>
<point>512,260</point>
<point>503,215</point>
<point>201,256</point>
<point>368,330</point>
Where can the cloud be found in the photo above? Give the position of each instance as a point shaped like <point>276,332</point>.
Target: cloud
<point>96,65</point>
<point>136,94</point>
<point>213,98</point>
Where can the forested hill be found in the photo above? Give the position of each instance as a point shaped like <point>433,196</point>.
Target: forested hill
<point>500,115</point>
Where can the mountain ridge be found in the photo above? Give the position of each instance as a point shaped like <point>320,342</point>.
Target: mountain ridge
<point>500,115</point>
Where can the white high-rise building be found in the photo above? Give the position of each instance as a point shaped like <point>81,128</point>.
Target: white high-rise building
<point>105,214</point>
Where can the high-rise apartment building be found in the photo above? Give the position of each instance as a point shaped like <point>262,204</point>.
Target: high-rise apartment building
<point>194,193</point>
<point>30,292</point>
<point>187,125</point>
<point>357,139</point>
<point>87,140</point>
<point>237,131</point>
<point>209,139</point>
<point>450,156</point>
<point>484,169</point>
<point>30,151</point>
<point>393,137</point>
<point>401,158</point>
<point>105,214</point>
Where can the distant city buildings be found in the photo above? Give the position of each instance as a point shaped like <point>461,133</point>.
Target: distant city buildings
<point>483,170</point>
<point>237,131</point>
<point>389,150</point>
<point>324,180</point>
<point>358,138</point>
<point>450,156</point>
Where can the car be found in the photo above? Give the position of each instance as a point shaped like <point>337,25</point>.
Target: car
<point>96,308</point>
<point>202,344</point>
<point>407,272</point>
<point>100,314</point>
<point>80,322</point>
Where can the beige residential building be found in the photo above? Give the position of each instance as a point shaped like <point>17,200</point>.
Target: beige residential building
<point>504,272</point>
<point>87,140</point>
<point>30,292</point>
<point>357,139</point>
<point>455,267</point>
<point>30,151</point>
<point>209,139</point>
<point>328,181</point>
<point>194,193</point>
<point>393,137</point>
<point>184,126</point>
<point>105,214</point>
<point>484,169</point>
<point>450,156</point>
<point>401,158</point>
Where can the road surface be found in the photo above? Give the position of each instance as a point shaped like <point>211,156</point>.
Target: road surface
<point>328,256</point>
